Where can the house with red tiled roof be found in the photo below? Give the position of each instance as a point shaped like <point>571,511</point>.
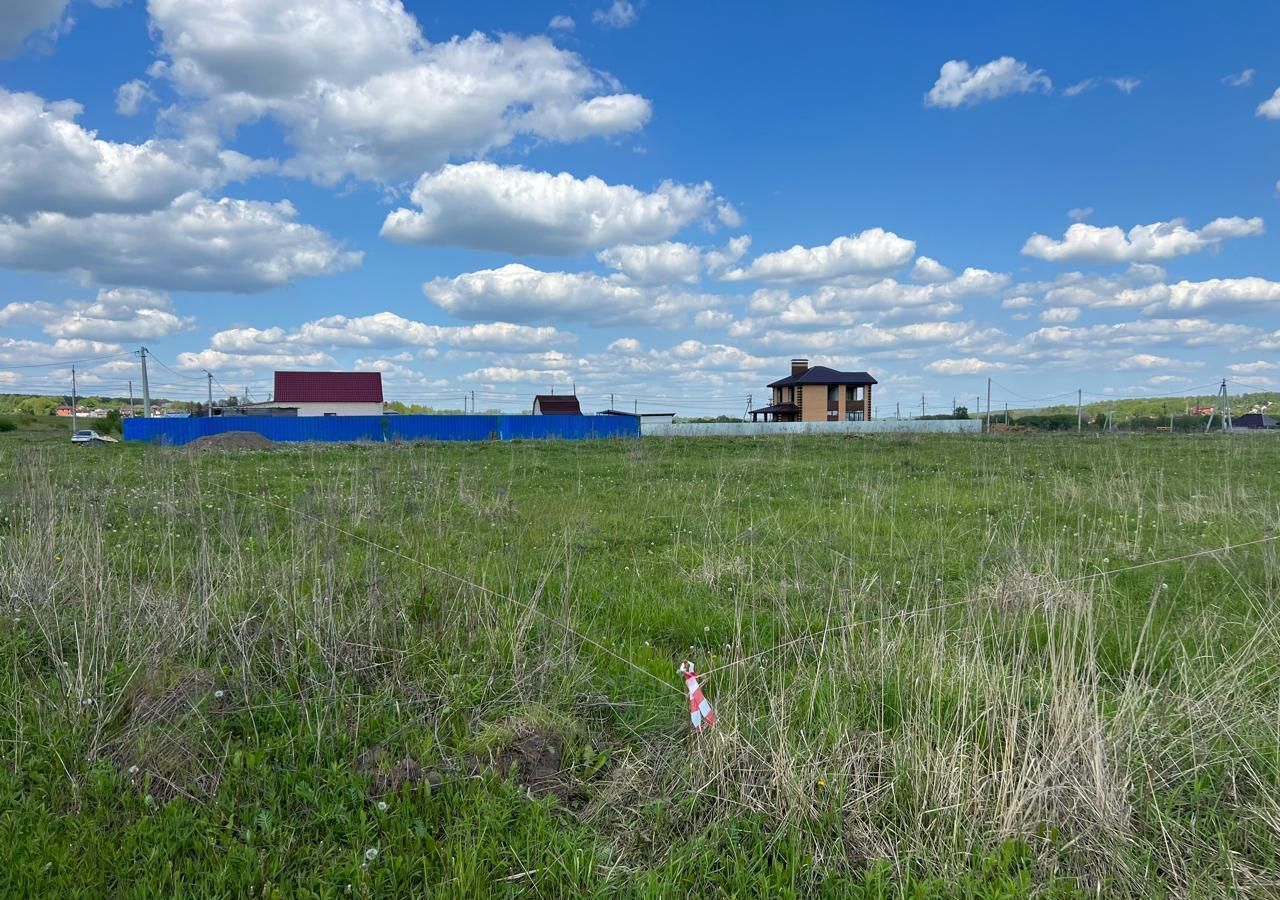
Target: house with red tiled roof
<point>320,394</point>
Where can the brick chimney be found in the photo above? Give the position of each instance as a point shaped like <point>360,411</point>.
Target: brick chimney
<point>799,367</point>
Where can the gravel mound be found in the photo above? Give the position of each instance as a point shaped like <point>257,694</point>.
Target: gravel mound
<point>232,440</point>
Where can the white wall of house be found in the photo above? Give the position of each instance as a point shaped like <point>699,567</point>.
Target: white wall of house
<point>328,409</point>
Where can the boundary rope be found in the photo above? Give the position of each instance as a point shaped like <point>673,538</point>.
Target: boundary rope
<point>910,614</point>
<point>460,579</point>
<point>902,615</point>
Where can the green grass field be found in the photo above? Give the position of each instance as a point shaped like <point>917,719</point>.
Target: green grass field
<point>341,671</point>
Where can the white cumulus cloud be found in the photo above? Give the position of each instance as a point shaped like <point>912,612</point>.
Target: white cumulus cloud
<point>968,366</point>
<point>1142,243</point>
<point>1270,108</point>
<point>1123,85</point>
<point>516,210</point>
<point>870,252</point>
<point>929,270</point>
<point>388,329</point>
<point>519,293</point>
<point>51,164</point>
<point>25,353</point>
<point>361,92</point>
<point>959,84</point>
<point>116,314</point>
<point>1060,314</point>
<point>1261,365</point>
<point>618,14</point>
<point>193,244</point>
<point>20,18</point>
<point>655,263</point>
<point>132,95</point>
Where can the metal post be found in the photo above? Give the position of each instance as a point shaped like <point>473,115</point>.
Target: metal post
<point>209,376</point>
<point>146,385</point>
<point>73,399</point>
<point>1079,410</point>
<point>988,406</point>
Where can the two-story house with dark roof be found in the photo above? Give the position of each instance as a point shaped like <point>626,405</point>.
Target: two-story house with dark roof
<point>818,394</point>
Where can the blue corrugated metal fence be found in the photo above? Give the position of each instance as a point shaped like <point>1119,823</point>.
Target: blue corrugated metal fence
<point>385,428</point>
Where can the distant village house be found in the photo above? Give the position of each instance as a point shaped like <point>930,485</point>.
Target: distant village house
<point>818,394</point>
<point>318,394</point>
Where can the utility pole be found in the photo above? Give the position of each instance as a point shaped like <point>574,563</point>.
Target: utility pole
<point>988,406</point>
<point>953,406</point>
<point>611,406</point>
<point>1079,410</point>
<point>977,402</point>
<point>209,376</point>
<point>146,385</point>
<point>897,409</point>
<point>922,406</point>
<point>473,402</point>
<point>73,399</point>
<point>132,412</point>
<point>1226,407</point>
<point>636,406</point>
<point>1006,412</point>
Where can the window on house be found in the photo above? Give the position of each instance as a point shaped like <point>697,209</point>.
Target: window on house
<point>855,415</point>
<point>853,394</point>
<point>833,394</point>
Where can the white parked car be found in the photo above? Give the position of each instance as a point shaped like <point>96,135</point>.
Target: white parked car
<point>88,436</point>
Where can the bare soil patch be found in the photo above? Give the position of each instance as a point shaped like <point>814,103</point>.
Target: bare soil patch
<point>232,440</point>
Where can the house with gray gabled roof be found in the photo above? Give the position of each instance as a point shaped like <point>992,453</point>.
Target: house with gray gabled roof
<point>818,394</point>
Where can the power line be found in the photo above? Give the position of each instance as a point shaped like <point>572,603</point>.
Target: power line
<point>155,359</point>
<point>67,362</point>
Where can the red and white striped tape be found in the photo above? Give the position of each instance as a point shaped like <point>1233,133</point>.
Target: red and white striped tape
<point>700,712</point>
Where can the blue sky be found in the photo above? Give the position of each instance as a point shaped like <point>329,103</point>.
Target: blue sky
<point>652,200</point>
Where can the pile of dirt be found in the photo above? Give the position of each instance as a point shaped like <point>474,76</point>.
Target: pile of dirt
<point>388,778</point>
<point>231,440</point>
<point>163,739</point>
<point>535,760</point>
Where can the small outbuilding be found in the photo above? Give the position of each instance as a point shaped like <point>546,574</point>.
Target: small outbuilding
<point>556,405</point>
<point>1254,420</point>
<point>650,418</point>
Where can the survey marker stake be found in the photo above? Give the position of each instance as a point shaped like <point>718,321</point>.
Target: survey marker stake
<point>700,712</point>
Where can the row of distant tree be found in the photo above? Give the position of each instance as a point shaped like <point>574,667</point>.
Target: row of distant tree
<point>47,404</point>
<point>1161,407</point>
